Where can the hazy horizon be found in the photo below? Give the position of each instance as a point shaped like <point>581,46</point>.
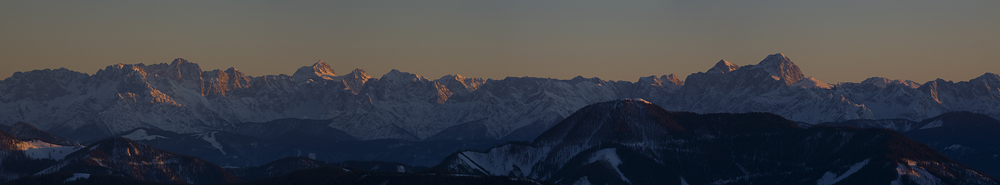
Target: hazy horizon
<point>845,41</point>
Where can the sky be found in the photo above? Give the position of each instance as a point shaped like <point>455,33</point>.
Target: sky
<point>834,41</point>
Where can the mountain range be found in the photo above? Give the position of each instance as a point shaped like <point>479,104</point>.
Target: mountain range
<point>180,97</point>
<point>174,123</point>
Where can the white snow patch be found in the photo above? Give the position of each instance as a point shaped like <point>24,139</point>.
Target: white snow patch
<point>210,138</point>
<point>933,124</point>
<point>810,82</point>
<point>400,169</point>
<point>609,155</point>
<point>55,153</point>
<point>830,178</point>
<point>499,162</point>
<point>954,147</point>
<point>641,100</point>
<point>78,176</point>
<point>140,135</point>
<point>34,144</point>
<point>919,175</point>
<point>582,181</point>
<point>469,162</point>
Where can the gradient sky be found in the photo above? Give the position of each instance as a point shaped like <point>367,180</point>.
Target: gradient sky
<point>834,41</point>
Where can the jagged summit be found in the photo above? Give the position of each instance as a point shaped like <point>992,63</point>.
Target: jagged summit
<point>179,61</point>
<point>883,82</point>
<point>776,67</point>
<point>178,70</point>
<point>319,70</point>
<point>660,81</point>
<point>775,58</point>
<point>357,74</point>
<point>452,77</point>
<point>673,79</point>
<point>988,77</point>
<point>723,66</point>
<point>398,76</point>
<point>780,68</point>
<point>358,71</point>
<point>459,83</point>
<point>45,73</point>
<point>355,80</point>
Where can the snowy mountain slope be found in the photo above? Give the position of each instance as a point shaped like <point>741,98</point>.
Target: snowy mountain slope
<point>291,138</point>
<point>965,137</point>
<point>21,158</point>
<point>627,141</point>
<point>123,157</point>
<point>180,97</point>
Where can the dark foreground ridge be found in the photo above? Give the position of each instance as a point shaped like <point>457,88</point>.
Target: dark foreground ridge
<point>127,158</point>
<point>626,141</point>
<point>631,141</point>
<point>966,137</point>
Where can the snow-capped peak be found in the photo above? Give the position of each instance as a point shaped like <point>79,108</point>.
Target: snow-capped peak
<point>673,79</point>
<point>885,82</point>
<point>320,69</point>
<point>355,80</point>
<point>357,74</point>
<point>459,83</point>
<point>179,69</point>
<point>723,66</point>
<point>780,68</point>
<point>232,70</point>
<point>452,77</point>
<point>988,77</point>
<point>399,76</point>
<point>810,82</point>
<point>178,61</point>
<point>661,81</point>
